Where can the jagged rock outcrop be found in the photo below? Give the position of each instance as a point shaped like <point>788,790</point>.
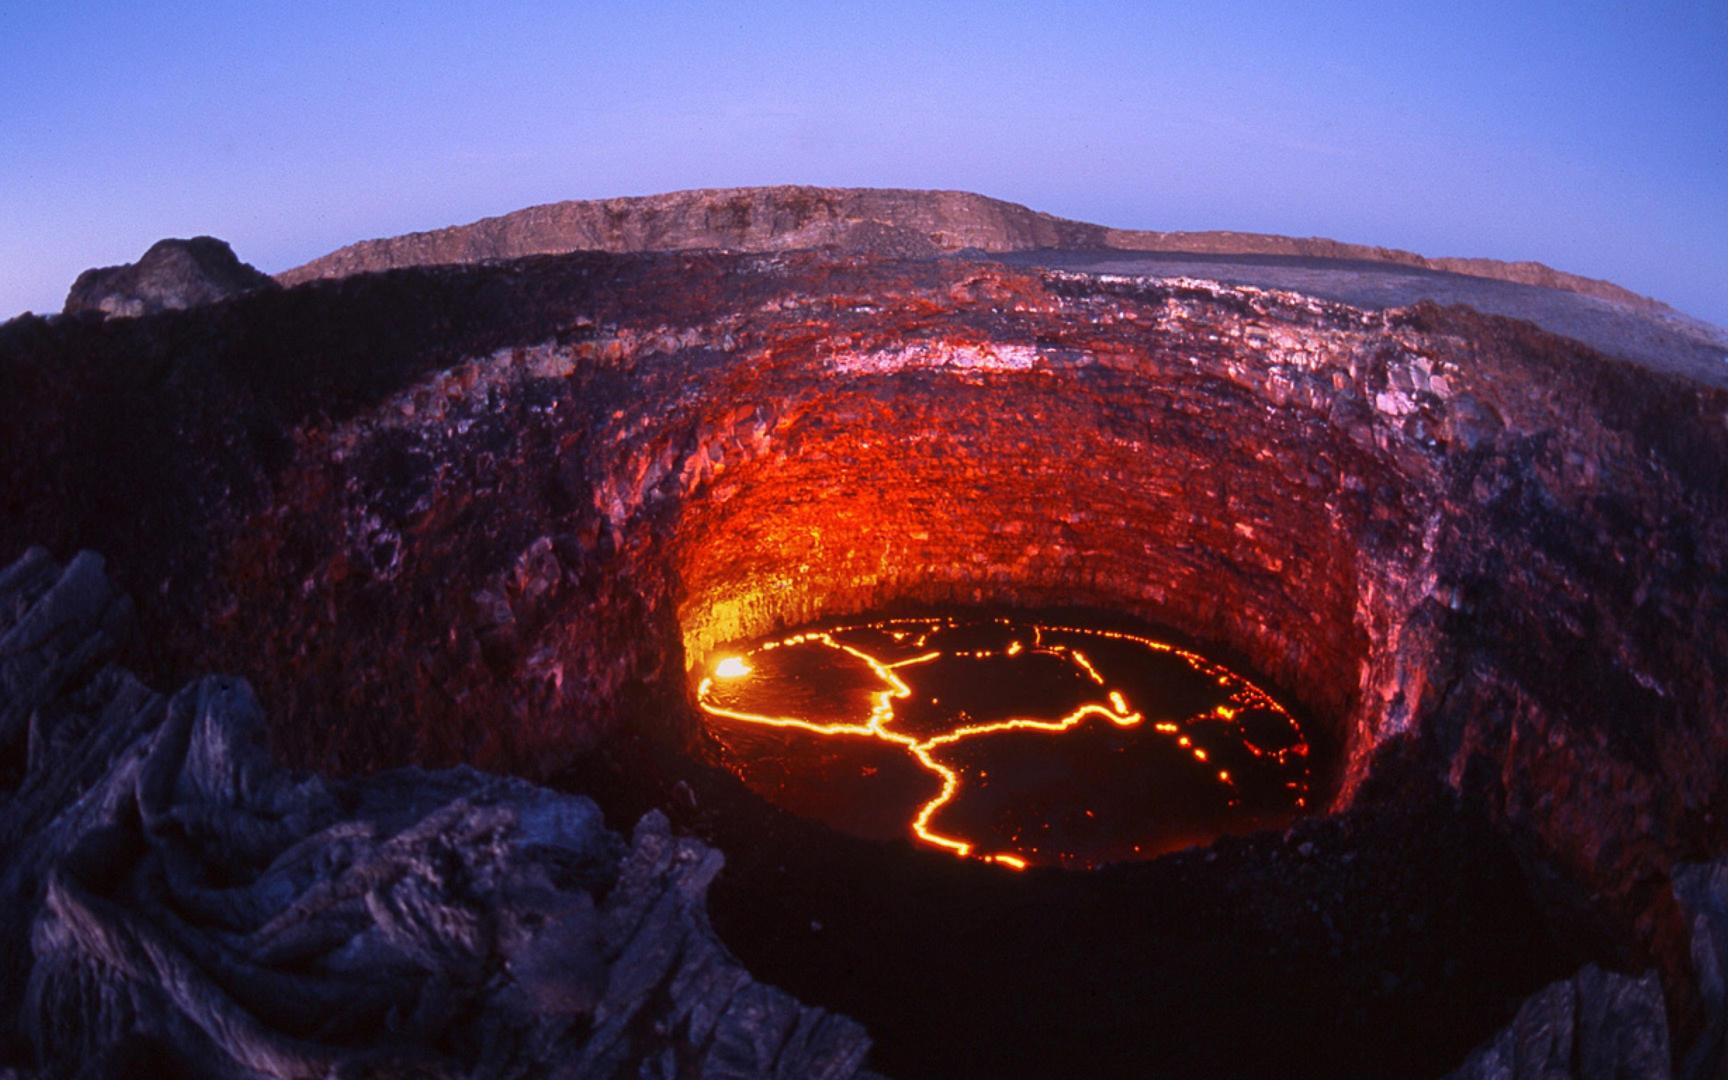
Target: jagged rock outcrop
<point>859,220</point>
<point>173,902</point>
<point>1701,889</point>
<point>1594,1025</point>
<point>856,220</point>
<point>1603,1024</point>
<point>172,275</point>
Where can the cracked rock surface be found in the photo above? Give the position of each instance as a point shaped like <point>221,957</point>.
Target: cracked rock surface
<point>174,902</point>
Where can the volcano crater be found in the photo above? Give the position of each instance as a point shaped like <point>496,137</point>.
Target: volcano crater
<point>512,515</point>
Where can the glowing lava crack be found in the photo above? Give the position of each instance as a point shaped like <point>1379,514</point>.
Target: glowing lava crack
<point>1182,749</point>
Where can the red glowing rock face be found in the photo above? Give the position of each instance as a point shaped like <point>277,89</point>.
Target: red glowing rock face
<point>1016,742</point>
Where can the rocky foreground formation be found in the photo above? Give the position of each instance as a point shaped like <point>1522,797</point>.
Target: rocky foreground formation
<point>498,512</point>
<point>172,275</point>
<point>172,902</point>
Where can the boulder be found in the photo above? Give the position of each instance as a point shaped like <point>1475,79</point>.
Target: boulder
<point>1595,1024</point>
<point>172,275</point>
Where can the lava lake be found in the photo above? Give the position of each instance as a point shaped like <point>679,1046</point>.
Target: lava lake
<point>1015,740</point>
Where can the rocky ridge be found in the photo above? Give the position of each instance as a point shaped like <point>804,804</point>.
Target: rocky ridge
<point>174,902</point>
<point>860,220</point>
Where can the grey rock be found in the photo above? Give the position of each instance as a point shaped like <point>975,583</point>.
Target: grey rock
<point>897,223</point>
<point>53,625</point>
<point>172,275</point>
<point>1599,1024</point>
<point>1702,890</point>
<point>175,902</point>
<point>1596,1025</point>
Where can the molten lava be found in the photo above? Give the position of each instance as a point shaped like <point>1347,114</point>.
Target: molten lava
<point>971,702</point>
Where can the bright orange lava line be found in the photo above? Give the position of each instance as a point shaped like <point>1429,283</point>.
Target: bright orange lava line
<point>882,714</point>
<point>951,779</point>
<point>1080,658</point>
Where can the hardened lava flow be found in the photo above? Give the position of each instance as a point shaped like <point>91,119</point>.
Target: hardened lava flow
<point>519,516</point>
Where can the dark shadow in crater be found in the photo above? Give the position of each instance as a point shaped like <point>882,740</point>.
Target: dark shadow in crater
<point>1385,940</point>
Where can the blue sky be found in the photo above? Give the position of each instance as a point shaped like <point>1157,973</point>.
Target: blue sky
<point>1592,137</point>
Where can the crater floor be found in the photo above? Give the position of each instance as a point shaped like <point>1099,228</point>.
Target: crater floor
<point>1007,739</point>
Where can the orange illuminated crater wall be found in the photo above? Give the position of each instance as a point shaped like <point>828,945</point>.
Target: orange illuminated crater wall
<point>1142,484</point>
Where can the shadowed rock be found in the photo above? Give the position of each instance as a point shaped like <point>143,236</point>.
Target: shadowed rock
<point>1602,1024</point>
<point>172,901</point>
<point>1702,892</point>
<point>172,275</point>
<point>1595,1024</point>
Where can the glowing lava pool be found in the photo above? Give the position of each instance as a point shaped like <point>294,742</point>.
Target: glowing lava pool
<point>1014,741</point>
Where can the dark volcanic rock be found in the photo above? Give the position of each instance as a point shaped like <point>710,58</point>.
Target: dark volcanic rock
<point>1602,1024</point>
<point>1702,893</point>
<point>172,275</point>
<point>173,902</point>
<point>1594,1025</point>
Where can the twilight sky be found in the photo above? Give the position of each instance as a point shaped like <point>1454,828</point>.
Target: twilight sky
<point>1587,135</point>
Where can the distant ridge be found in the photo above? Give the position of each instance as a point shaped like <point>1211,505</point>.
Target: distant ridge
<point>886,221</point>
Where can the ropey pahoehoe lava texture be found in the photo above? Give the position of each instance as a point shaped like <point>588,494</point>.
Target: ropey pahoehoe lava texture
<point>496,515</point>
